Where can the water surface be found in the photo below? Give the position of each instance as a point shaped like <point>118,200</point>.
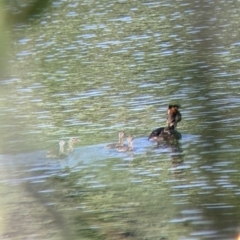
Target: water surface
<point>95,68</point>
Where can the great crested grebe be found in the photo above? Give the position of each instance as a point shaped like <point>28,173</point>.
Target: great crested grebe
<point>168,133</point>
<point>120,141</point>
<point>127,148</point>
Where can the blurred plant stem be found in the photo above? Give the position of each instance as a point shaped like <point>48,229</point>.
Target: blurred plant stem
<point>23,12</point>
<point>3,41</point>
<point>15,12</point>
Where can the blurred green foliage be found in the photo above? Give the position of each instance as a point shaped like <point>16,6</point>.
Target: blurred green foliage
<point>14,12</point>
<point>24,10</point>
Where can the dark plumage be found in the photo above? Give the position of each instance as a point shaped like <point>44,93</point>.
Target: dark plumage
<point>164,134</point>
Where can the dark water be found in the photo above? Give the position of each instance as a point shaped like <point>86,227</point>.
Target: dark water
<point>90,69</point>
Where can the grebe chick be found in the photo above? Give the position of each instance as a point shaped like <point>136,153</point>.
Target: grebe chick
<point>174,116</point>
<point>127,148</point>
<point>71,143</point>
<point>120,141</point>
<point>57,154</point>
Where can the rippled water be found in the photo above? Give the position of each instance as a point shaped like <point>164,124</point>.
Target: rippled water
<point>93,68</point>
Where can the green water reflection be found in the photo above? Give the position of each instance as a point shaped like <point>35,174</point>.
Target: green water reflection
<point>93,68</point>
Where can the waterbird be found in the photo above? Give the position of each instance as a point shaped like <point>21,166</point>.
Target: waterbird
<point>120,141</point>
<point>127,148</point>
<point>168,133</point>
<point>62,152</point>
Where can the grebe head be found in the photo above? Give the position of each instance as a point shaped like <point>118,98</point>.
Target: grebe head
<point>121,134</point>
<point>129,139</point>
<point>73,140</point>
<point>174,115</point>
